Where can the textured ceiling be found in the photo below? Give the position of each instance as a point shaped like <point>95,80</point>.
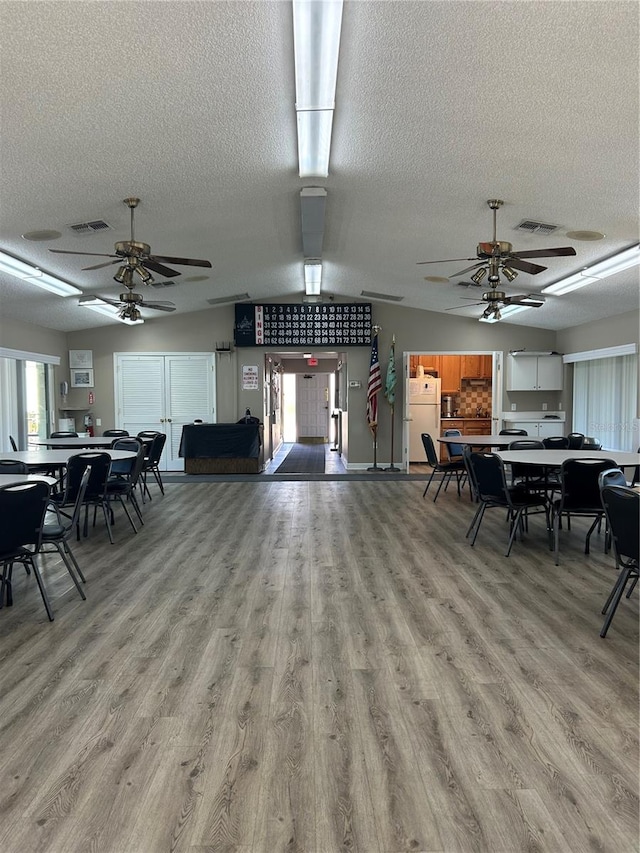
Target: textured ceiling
<point>440,106</point>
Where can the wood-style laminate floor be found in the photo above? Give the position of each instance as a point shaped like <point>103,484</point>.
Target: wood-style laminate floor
<point>319,667</point>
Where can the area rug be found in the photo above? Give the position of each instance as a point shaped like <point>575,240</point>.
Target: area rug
<point>303,459</point>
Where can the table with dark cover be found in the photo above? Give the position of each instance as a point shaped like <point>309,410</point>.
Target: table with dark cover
<point>222,448</point>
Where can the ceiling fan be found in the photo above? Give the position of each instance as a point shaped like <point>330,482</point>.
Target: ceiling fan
<point>497,256</point>
<point>129,304</point>
<point>494,300</point>
<point>136,257</point>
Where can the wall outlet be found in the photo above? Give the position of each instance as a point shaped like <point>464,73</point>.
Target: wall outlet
<point>513,407</point>
<point>98,421</point>
<point>544,407</point>
<point>559,407</point>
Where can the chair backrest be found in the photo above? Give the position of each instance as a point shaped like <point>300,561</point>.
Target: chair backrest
<point>513,432</point>
<point>556,442</point>
<point>471,474</point>
<point>575,440</point>
<point>429,449</point>
<point>591,443</point>
<point>622,508</point>
<point>12,441</point>
<point>22,509</point>
<point>82,490</point>
<point>131,443</point>
<point>611,477</point>
<point>453,449</point>
<point>579,483</point>
<point>100,466</point>
<point>490,478</point>
<point>526,444</point>
<point>63,434</point>
<point>116,432</point>
<point>137,467</point>
<point>157,446</point>
<point>11,466</point>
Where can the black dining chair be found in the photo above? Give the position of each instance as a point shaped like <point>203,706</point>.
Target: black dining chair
<point>591,443</point>
<point>526,474</point>
<point>556,442</point>
<point>11,466</point>
<point>152,459</point>
<point>447,469</point>
<point>64,434</point>
<point>610,477</point>
<point>121,485</point>
<point>513,432</point>
<point>13,444</point>
<point>22,509</point>
<point>576,440</point>
<point>493,491</point>
<point>579,495</point>
<point>453,451</point>
<point>95,496</point>
<point>622,510</point>
<point>115,433</point>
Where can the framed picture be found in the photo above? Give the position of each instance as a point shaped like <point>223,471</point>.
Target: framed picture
<point>81,378</point>
<point>80,358</point>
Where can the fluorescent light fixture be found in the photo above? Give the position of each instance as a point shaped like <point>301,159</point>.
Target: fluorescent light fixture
<point>622,261</point>
<point>312,278</point>
<point>26,272</point>
<point>316,39</point>
<point>99,306</point>
<point>505,312</point>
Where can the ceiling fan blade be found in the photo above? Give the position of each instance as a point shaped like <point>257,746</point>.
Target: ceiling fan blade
<point>188,262</point>
<point>523,266</point>
<point>106,264</point>
<point>158,306</point>
<point>468,269</point>
<point>69,252</point>
<point>448,261</point>
<point>545,253</point>
<point>468,284</point>
<point>152,265</point>
<point>528,299</point>
<point>109,301</point>
<point>458,307</point>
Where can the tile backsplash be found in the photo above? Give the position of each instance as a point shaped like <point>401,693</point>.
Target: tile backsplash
<point>472,395</point>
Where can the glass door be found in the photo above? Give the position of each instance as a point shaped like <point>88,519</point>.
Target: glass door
<point>36,400</point>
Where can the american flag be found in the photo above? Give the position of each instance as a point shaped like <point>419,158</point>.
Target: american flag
<point>375,385</point>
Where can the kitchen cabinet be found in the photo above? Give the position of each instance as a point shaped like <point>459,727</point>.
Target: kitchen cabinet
<point>450,373</point>
<point>538,429</point>
<point>467,426</point>
<point>534,373</point>
<point>476,366</point>
<point>430,363</point>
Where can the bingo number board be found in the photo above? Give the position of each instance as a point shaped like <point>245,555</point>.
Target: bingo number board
<point>314,325</point>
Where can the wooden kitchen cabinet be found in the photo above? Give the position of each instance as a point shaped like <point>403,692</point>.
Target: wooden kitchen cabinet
<point>431,363</point>
<point>476,366</point>
<point>450,373</point>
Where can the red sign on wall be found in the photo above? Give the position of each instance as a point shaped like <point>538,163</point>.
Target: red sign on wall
<point>312,362</point>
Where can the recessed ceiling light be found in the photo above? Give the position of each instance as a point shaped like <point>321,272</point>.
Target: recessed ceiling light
<point>437,279</point>
<point>585,235</point>
<point>39,236</point>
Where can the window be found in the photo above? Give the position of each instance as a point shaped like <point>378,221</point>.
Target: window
<point>605,400</point>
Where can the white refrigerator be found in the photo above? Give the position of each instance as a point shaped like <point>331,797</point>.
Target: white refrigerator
<point>424,415</point>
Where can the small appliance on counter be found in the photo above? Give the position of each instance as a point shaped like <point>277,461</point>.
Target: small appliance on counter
<point>66,424</point>
<point>448,406</point>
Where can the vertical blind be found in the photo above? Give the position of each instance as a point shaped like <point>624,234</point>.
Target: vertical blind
<point>605,400</point>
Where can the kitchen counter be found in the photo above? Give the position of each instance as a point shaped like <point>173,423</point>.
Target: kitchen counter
<point>467,426</point>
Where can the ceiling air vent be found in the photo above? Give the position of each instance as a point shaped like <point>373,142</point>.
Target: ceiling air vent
<point>533,227</point>
<point>85,229</point>
<point>370,294</point>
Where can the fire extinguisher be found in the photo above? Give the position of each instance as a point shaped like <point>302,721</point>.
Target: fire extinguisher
<point>88,422</point>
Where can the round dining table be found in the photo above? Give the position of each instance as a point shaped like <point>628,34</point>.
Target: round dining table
<point>77,443</point>
<point>479,440</point>
<point>555,458</point>
<point>12,479</point>
<point>43,458</point>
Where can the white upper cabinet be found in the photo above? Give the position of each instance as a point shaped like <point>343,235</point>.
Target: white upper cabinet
<point>534,373</point>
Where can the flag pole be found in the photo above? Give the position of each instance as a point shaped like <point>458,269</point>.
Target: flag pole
<point>375,466</point>
<point>392,467</point>
<point>390,394</point>
<point>373,386</point>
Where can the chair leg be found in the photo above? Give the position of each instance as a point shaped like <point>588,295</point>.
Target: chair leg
<point>473,521</point>
<point>614,600</point>
<point>426,488</point>
<point>632,587</point>
<point>158,478</point>
<point>60,549</point>
<point>515,524</point>
<point>597,522</point>
<point>124,507</point>
<point>72,557</point>
<point>136,506</point>
<point>480,515</point>
<point>43,593</point>
<point>556,537</point>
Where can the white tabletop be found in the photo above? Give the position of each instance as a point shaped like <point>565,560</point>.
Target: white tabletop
<point>73,442</point>
<point>479,440</point>
<point>555,458</point>
<point>11,479</point>
<point>40,457</point>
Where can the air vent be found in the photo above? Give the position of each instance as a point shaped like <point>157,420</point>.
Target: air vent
<point>167,282</point>
<point>85,229</point>
<point>533,227</point>
<point>387,296</point>
<point>238,297</point>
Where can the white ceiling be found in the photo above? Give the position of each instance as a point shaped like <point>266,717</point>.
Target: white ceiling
<point>440,106</point>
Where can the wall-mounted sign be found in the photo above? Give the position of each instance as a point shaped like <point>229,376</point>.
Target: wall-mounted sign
<point>249,377</point>
<point>80,358</point>
<point>314,325</point>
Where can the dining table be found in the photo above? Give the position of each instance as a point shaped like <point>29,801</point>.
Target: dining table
<point>479,441</point>
<point>555,458</point>
<point>56,458</point>
<point>75,442</point>
<point>12,479</point>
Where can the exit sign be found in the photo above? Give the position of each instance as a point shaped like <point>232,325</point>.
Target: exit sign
<point>312,362</point>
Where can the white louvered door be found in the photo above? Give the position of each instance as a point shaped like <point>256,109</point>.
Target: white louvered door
<point>164,392</point>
